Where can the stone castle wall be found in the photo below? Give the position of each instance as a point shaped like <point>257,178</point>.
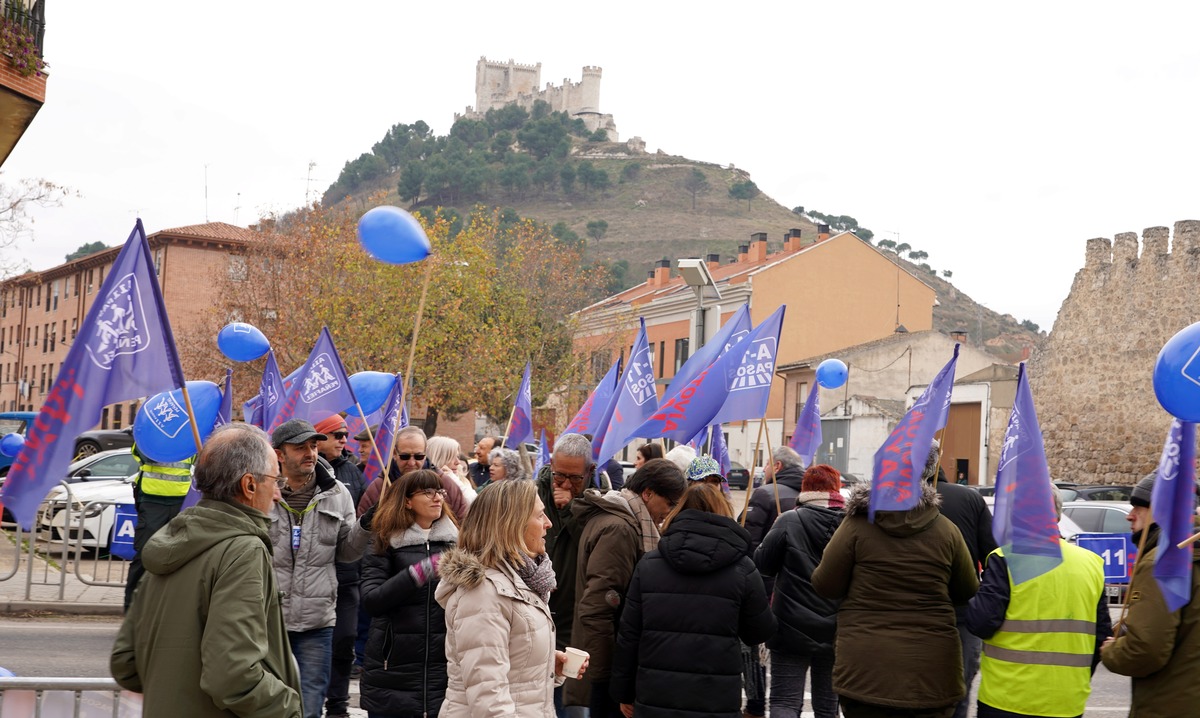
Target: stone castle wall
<point>1092,378</point>
<point>503,83</point>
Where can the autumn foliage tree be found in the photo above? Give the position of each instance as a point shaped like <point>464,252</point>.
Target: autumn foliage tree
<point>499,294</point>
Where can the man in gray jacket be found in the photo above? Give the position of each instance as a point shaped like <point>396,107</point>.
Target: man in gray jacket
<point>312,526</point>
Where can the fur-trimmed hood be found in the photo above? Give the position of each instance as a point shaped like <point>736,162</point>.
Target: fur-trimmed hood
<point>459,568</point>
<point>443,530</point>
<point>898,523</point>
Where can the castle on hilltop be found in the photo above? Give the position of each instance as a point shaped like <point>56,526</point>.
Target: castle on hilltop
<point>504,83</point>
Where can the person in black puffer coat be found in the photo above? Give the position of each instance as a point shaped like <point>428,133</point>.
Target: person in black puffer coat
<point>404,671</point>
<point>691,603</point>
<point>807,622</point>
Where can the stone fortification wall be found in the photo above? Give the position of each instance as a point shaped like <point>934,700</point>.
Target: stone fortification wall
<point>1091,379</point>
<point>503,83</point>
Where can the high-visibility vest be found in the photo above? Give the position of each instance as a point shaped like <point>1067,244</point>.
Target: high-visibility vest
<point>1040,661</point>
<point>166,480</point>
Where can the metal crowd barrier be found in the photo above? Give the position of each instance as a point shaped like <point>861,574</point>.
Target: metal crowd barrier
<point>62,697</point>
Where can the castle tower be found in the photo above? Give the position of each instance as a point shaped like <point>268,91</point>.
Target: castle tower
<point>589,90</point>
<point>499,83</point>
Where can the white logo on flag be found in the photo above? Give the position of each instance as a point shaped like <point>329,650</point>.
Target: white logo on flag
<point>120,324</point>
<point>735,338</point>
<point>168,416</point>
<point>757,366</point>
<point>320,380</point>
<point>639,382</point>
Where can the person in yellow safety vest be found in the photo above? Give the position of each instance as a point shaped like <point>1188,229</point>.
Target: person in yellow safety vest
<point>1041,637</point>
<point>158,494</point>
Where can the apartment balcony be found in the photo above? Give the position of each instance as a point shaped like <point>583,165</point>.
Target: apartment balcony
<point>22,72</point>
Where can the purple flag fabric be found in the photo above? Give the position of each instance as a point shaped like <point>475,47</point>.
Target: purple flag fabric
<point>1025,524</point>
<point>225,411</point>
<point>520,427</point>
<point>1172,506</point>
<point>636,399</point>
<point>393,419</point>
<point>587,420</point>
<point>321,388</point>
<point>543,458</point>
<point>124,350</point>
<point>702,400</point>
<point>697,441</point>
<point>899,463</point>
<point>719,451</point>
<point>252,410</point>
<point>731,332</point>
<point>806,440</point>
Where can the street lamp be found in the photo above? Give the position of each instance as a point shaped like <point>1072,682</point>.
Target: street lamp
<point>696,275</point>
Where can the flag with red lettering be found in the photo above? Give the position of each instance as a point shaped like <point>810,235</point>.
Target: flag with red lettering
<point>588,419</point>
<point>635,400</point>
<point>124,350</point>
<point>321,387</point>
<point>896,484</point>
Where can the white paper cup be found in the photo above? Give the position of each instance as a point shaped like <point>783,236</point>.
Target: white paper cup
<point>575,659</point>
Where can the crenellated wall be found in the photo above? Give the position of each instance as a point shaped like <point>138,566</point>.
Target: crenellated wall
<point>1091,379</point>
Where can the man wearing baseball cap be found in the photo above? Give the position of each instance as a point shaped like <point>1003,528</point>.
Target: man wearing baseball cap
<point>312,526</point>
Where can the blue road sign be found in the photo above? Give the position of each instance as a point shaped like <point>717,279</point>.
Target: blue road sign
<point>1117,550</point>
<point>124,521</point>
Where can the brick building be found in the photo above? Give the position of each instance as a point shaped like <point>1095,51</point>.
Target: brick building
<point>21,94</point>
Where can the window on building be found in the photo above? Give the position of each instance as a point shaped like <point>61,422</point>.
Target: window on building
<point>600,362</point>
<point>74,327</point>
<point>104,418</point>
<point>158,255</point>
<point>662,359</point>
<point>237,269</point>
<point>801,397</point>
<point>42,383</point>
<point>116,417</point>
<point>90,277</point>
<point>77,278</point>
<point>39,295</point>
<point>681,353</point>
<point>53,335</point>
<point>45,338</point>
<point>55,293</point>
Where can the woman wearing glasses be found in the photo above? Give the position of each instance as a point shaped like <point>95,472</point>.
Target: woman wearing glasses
<point>404,671</point>
<point>500,635</point>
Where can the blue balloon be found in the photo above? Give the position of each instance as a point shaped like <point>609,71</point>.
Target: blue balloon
<point>11,444</point>
<point>1177,374</point>
<point>371,388</point>
<point>162,429</point>
<point>242,342</point>
<point>832,373</point>
<point>392,235</point>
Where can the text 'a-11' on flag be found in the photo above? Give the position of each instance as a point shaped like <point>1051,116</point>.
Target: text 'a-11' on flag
<point>321,387</point>
<point>806,440</point>
<point>520,426</point>
<point>124,350</point>
<point>899,463</point>
<point>1172,507</point>
<point>730,333</point>
<point>393,419</point>
<point>587,419</point>
<point>636,399</point>
<point>1025,524</point>
<point>735,387</point>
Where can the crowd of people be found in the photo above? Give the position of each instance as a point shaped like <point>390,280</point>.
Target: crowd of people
<point>460,589</point>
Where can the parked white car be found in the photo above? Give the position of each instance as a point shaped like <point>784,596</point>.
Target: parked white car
<point>96,485</point>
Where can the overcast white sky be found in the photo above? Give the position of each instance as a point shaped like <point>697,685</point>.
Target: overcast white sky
<point>998,138</point>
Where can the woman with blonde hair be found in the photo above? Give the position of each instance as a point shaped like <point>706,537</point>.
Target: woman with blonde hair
<point>494,588</point>
<point>690,661</point>
<point>404,669</point>
<point>442,454</point>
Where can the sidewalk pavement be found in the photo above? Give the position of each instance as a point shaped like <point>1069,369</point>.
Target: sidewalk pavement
<point>42,585</point>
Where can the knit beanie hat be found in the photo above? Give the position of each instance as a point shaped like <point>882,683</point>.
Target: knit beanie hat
<point>330,424</point>
<point>1143,490</point>
<point>703,467</point>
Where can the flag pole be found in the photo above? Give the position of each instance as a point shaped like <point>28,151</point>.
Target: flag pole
<point>753,466</point>
<point>412,346</point>
<point>508,425</point>
<point>387,466</point>
<point>371,436</point>
<point>187,402</point>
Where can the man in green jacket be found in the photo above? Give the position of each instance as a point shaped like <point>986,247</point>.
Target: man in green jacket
<point>205,634</point>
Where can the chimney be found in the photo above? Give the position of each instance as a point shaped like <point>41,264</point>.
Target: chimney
<point>662,272</point>
<point>743,253</point>
<point>959,335</point>
<point>713,261</point>
<point>758,247</point>
<point>791,241</point>
<point>822,232</point>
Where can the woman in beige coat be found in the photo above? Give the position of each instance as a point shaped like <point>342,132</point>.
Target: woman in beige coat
<point>494,587</point>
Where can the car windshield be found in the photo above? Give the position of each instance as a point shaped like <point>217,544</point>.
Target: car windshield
<point>12,426</point>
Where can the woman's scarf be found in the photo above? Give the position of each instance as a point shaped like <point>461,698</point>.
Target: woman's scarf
<point>827,499</point>
<point>650,535</point>
<point>538,575</point>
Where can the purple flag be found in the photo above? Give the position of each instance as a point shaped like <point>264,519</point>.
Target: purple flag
<point>732,332</point>
<point>543,458</point>
<point>1025,524</point>
<point>697,441</point>
<point>899,463</point>
<point>636,400</point>
<point>520,427</point>
<point>719,451</point>
<point>321,388</point>
<point>124,350</point>
<point>1172,506</point>
<point>225,411</point>
<point>701,401</point>
<point>806,440</point>
<point>587,421</point>
<point>393,419</point>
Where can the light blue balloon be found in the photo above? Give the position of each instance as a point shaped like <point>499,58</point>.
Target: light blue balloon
<point>11,444</point>
<point>162,430</point>
<point>832,373</point>
<point>392,235</point>
<point>242,342</point>
<point>371,388</point>
<point>1177,374</point>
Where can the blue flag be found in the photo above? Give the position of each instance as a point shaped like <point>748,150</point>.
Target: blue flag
<point>1025,524</point>
<point>719,451</point>
<point>124,350</point>
<point>806,440</point>
<point>321,388</point>
<point>393,419</point>
<point>1172,506</point>
<point>543,458</point>
<point>520,427</point>
<point>697,441</point>
<point>732,332</point>
<point>225,411</point>
<point>899,463</point>
<point>731,386</point>
<point>587,420</point>
<point>636,399</point>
